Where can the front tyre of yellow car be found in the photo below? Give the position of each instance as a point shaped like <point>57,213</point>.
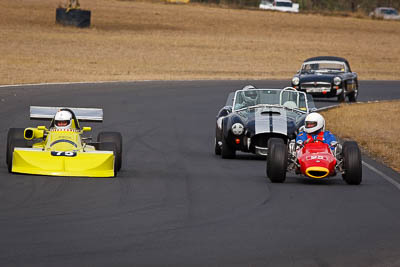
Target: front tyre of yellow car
<point>116,138</point>
<point>15,138</point>
<point>110,146</point>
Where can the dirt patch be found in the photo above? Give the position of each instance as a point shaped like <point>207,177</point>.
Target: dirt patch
<point>134,40</point>
<point>375,126</point>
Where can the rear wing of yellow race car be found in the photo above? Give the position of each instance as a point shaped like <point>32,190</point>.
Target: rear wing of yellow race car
<point>82,114</point>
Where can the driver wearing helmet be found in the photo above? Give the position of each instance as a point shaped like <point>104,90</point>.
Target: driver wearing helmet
<point>249,97</point>
<point>249,87</point>
<point>315,131</point>
<point>63,120</point>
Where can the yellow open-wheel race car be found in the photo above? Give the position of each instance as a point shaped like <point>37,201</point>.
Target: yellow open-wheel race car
<point>61,149</point>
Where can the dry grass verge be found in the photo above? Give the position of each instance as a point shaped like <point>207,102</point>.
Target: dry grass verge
<point>133,40</point>
<point>375,126</point>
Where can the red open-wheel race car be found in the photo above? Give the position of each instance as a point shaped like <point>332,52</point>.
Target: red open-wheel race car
<point>315,160</point>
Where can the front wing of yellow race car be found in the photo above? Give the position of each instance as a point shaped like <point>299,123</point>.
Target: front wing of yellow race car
<point>84,164</point>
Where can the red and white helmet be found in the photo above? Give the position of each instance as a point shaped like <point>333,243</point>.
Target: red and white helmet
<point>63,119</point>
<point>314,122</point>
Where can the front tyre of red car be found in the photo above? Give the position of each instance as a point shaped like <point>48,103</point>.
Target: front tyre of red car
<point>277,162</point>
<point>352,163</point>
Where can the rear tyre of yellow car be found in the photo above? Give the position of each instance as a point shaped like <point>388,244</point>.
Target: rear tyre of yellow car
<point>110,146</point>
<point>116,138</point>
<point>15,138</point>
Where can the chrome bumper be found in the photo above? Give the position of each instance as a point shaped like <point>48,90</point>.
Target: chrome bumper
<point>263,151</point>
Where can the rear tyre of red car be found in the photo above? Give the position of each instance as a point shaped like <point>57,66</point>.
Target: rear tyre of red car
<point>15,138</point>
<point>277,162</point>
<point>352,163</point>
<point>227,152</point>
<point>116,138</point>
<point>110,146</point>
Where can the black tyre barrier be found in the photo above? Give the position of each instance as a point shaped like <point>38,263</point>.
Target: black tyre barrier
<point>73,17</point>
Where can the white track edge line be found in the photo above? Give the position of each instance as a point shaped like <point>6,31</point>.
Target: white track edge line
<point>132,81</point>
<point>102,82</point>
<point>384,176</point>
<point>70,83</point>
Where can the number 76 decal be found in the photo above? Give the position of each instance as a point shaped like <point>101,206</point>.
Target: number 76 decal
<point>63,154</point>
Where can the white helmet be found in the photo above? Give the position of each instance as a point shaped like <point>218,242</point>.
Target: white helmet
<point>314,122</point>
<point>248,87</point>
<point>63,119</point>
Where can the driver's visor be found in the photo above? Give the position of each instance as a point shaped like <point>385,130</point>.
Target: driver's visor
<point>251,95</point>
<point>311,124</point>
<point>62,123</point>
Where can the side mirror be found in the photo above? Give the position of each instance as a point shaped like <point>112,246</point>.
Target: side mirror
<point>224,111</point>
<point>86,129</point>
<point>302,128</point>
<point>42,128</point>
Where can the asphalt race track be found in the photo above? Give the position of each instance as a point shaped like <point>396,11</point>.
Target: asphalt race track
<point>175,203</point>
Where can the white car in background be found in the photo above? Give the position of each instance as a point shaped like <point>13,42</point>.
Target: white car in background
<point>385,13</point>
<point>279,5</point>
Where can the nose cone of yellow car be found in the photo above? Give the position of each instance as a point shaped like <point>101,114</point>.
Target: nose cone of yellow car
<point>317,172</point>
<point>84,164</point>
